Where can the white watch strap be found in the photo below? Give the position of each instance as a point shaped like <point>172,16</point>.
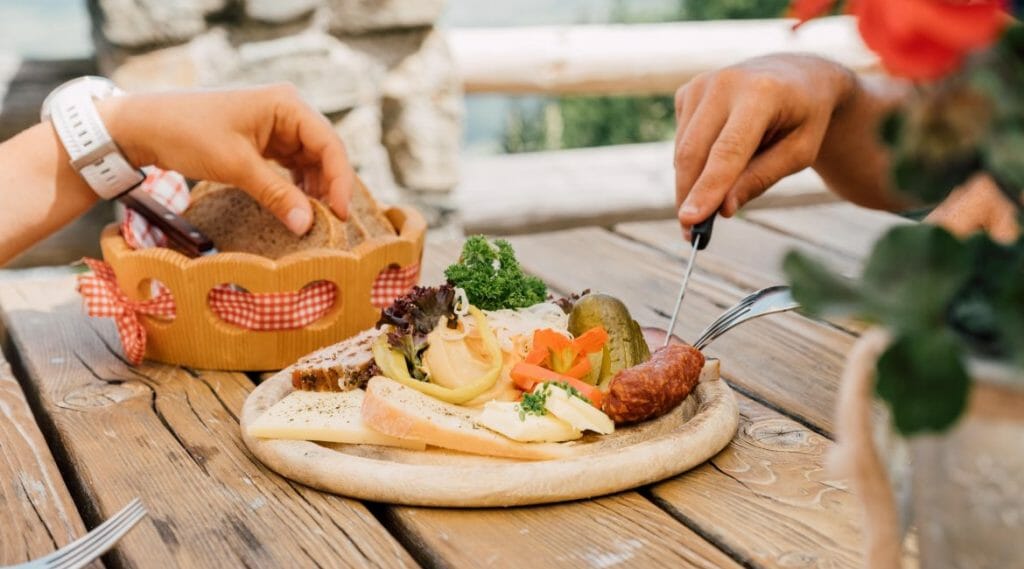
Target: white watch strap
<point>94,155</point>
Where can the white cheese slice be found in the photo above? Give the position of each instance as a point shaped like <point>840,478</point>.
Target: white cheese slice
<point>331,417</point>
<point>576,412</point>
<point>504,417</point>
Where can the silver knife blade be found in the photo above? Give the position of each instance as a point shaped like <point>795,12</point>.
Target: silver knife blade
<point>682,290</point>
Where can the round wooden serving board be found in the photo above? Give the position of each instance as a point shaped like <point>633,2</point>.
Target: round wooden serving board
<point>632,456</point>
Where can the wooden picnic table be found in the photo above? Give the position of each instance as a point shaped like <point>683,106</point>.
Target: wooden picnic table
<point>82,433</point>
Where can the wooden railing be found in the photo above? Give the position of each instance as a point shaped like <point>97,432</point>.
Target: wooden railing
<point>636,58</point>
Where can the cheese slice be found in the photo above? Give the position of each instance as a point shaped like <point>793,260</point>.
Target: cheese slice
<point>576,412</point>
<point>504,417</point>
<point>333,417</point>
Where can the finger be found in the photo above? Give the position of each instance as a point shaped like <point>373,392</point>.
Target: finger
<point>694,141</point>
<point>276,193</point>
<point>785,157</point>
<point>727,158</point>
<point>321,147</point>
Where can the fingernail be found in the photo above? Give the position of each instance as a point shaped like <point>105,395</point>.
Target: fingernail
<point>298,220</point>
<point>688,209</point>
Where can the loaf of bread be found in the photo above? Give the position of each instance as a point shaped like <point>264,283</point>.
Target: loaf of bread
<point>235,221</point>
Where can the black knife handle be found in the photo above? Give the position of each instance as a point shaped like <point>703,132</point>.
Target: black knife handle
<point>702,231</point>
<point>179,232</point>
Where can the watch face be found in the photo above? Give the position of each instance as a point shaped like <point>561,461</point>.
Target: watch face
<point>95,86</point>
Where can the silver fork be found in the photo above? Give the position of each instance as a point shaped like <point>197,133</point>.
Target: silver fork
<point>765,301</point>
<point>90,546</point>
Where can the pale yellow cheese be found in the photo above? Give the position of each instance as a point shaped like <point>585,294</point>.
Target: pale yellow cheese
<point>575,411</point>
<point>333,417</point>
<point>504,417</point>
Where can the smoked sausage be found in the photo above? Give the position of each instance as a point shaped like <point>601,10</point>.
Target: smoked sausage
<point>654,387</point>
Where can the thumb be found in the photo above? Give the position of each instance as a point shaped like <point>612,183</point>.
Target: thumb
<point>279,195</point>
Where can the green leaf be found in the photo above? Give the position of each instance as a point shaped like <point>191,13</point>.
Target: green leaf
<point>819,292</point>
<point>922,378</point>
<point>1004,156</point>
<point>913,274</point>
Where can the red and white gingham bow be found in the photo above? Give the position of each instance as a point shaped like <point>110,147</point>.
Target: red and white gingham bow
<point>104,298</point>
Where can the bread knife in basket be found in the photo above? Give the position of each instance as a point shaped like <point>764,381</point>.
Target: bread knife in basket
<point>181,234</point>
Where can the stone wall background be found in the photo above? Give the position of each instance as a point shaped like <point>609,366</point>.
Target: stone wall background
<point>378,69</point>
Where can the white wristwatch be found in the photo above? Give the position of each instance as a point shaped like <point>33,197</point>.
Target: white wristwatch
<point>94,155</point>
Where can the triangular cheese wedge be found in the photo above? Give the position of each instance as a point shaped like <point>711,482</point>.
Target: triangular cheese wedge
<point>333,417</point>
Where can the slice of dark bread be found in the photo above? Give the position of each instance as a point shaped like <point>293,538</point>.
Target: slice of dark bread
<point>365,210</point>
<point>234,221</point>
<point>340,367</point>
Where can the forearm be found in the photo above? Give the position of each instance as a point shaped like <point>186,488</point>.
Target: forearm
<point>852,159</point>
<point>39,190</point>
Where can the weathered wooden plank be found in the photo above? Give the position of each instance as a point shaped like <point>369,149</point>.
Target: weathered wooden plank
<point>624,530</point>
<point>785,360</point>
<point>636,57</point>
<point>39,514</point>
<point>743,253</point>
<point>171,438</point>
<point>844,228</point>
<point>768,498</point>
<point>545,191</point>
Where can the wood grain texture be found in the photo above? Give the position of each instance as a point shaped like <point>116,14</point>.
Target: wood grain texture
<point>39,514</point>
<point>768,498</point>
<point>624,530</point>
<point>742,253</point>
<point>171,437</point>
<point>842,228</point>
<point>786,360</point>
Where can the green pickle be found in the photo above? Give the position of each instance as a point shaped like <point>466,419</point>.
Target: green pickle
<point>626,345</point>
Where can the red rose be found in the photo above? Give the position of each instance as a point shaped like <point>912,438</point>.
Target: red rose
<point>926,39</point>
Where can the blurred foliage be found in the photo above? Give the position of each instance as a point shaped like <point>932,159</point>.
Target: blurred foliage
<point>732,9</point>
<point>578,121</point>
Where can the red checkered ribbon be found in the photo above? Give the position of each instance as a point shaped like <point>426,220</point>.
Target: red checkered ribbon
<point>104,298</point>
<point>273,310</point>
<point>253,311</point>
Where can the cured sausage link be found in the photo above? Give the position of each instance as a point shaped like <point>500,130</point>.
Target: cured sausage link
<point>654,387</point>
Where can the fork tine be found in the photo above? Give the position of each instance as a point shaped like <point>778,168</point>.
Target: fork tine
<point>99,530</point>
<point>85,555</point>
<point>99,540</point>
<point>723,322</point>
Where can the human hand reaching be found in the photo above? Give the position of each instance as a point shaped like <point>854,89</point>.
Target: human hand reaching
<point>743,128</point>
<point>227,135</point>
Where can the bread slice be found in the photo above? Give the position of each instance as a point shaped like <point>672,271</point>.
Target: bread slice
<point>340,367</point>
<point>235,221</point>
<point>399,411</point>
<point>323,417</point>
<point>365,210</point>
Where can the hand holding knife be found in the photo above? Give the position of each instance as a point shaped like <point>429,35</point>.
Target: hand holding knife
<point>700,236</point>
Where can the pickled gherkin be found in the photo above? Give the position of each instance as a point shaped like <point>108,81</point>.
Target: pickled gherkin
<point>626,345</point>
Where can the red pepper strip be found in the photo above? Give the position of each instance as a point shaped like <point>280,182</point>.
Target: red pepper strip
<point>579,370</point>
<point>591,341</point>
<point>537,356</point>
<point>527,376</point>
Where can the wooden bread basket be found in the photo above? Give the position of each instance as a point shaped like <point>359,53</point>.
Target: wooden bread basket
<point>197,337</point>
